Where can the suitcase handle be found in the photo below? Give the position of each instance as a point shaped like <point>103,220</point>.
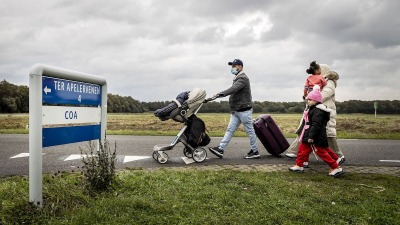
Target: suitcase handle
<point>261,118</point>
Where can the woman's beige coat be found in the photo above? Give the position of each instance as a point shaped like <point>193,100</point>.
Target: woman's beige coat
<point>328,97</point>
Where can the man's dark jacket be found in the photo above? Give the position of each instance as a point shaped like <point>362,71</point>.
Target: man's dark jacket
<point>240,93</point>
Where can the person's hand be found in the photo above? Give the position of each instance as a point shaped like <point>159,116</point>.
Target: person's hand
<point>218,95</point>
<point>310,140</point>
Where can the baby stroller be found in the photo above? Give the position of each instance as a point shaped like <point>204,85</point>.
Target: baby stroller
<point>192,135</point>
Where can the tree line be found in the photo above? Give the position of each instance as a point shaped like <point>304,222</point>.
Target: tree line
<point>352,106</point>
<point>15,99</point>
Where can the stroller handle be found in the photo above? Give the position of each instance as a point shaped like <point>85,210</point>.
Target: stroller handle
<point>210,99</point>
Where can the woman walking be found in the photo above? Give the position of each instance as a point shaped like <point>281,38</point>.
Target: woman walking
<point>328,99</point>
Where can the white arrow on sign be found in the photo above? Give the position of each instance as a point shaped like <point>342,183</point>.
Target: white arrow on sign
<point>47,90</point>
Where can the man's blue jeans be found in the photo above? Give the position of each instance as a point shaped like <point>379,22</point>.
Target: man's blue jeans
<point>236,119</point>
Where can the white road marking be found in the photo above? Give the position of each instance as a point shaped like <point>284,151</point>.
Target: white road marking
<point>21,155</point>
<point>130,158</point>
<point>127,158</point>
<point>187,160</point>
<point>398,161</point>
<point>74,157</point>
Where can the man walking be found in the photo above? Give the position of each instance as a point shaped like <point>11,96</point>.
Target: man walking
<point>240,103</point>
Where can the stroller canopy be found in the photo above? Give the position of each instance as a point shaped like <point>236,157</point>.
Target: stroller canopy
<point>188,102</point>
<point>196,97</point>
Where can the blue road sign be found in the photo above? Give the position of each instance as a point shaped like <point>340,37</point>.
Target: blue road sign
<point>59,91</point>
<point>65,135</point>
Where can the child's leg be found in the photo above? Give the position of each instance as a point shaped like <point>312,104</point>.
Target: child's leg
<point>302,155</point>
<point>324,155</point>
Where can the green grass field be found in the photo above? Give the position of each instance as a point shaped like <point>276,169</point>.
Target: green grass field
<point>348,125</point>
<point>192,196</point>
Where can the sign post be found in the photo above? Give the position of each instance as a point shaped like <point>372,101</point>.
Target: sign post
<point>376,107</point>
<point>65,107</point>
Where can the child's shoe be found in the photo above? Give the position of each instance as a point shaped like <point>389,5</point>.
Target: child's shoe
<point>296,168</point>
<point>306,165</point>
<point>336,172</point>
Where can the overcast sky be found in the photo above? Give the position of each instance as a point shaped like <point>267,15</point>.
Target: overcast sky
<point>153,50</point>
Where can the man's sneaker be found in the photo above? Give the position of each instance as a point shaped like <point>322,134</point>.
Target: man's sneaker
<point>336,172</point>
<point>216,151</point>
<point>340,160</point>
<point>306,165</point>
<point>252,154</point>
<point>291,155</point>
<point>296,168</point>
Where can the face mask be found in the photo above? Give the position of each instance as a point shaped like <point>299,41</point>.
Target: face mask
<point>234,71</point>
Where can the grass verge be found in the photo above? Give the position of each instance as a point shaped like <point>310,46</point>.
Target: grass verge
<point>349,126</point>
<point>195,196</point>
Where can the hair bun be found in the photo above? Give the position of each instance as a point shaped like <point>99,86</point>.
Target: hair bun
<point>313,63</point>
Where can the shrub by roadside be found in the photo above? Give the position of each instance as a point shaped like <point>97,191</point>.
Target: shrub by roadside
<point>98,168</point>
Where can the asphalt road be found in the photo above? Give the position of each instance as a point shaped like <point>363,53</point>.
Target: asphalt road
<point>136,152</point>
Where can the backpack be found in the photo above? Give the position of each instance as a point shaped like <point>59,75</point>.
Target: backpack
<point>196,132</point>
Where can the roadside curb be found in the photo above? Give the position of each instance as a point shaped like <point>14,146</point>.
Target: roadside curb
<point>317,168</point>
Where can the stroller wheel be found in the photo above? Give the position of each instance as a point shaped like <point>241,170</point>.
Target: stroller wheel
<point>187,152</point>
<point>199,154</point>
<point>155,155</point>
<point>162,157</point>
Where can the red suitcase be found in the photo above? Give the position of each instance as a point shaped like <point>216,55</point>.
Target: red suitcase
<point>270,135</point>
